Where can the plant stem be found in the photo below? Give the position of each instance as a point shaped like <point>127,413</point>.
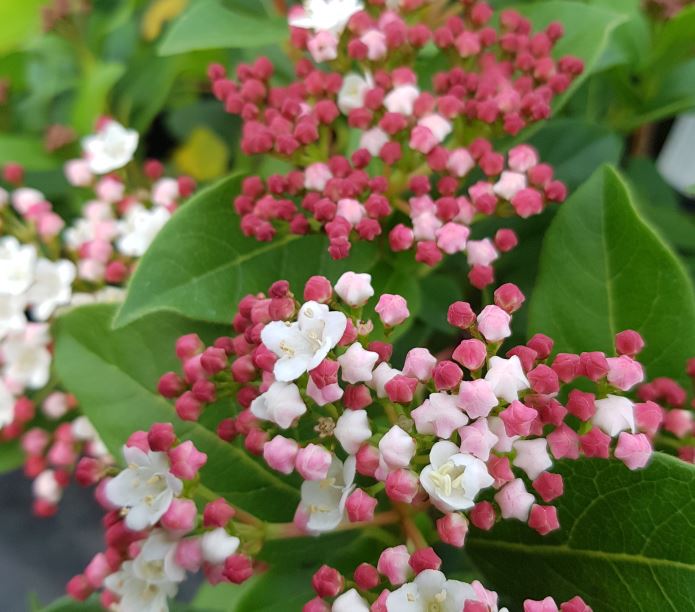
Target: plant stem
<point>283,531</point>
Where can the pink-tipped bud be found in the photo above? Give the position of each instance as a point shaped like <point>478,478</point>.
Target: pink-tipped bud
<point>217,513</point>
<point>483,515</point>
<point>392,309</point>
<point>318,289</point>
<point>452,529</point>
<point>506,240</point>
<point>471,354</point>
<point>401,486</point>
<point>447,375</point>
<point>180,516</point>
<point>367,460</point>
<point>213,360</point>
<point>189,555</point>
<point>543,519</point>
<point>313,461</point>
<point>189,345</point>
<point>542,344</point>
<point>188,407</point>
<point>360,506</point>
<point>161,436</point>
<point>518,419</point>
<point>366,576</point>
<point>509,297</point>
<point>78,587</point>
<point>566,366</point>
<point>327,581</point>
<point>401,389</point>
<point>280,454</point>
<point>393,563</point>
<point>628,342</point>
<point>170,385</point>
<point>238,568</point>
<point>593,365</point>
<point>543,379</point>
<point>461,315</point>
<point>424,559</point>
<point>186,460</point>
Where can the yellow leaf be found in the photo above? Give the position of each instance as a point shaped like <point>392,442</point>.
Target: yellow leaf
<point>204,156</point>
<point>157,14</point>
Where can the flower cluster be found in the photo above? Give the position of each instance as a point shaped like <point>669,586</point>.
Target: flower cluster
<point>666,415</point>
<point>473,435</point>
<point>154,533</point>
<point>416,585</point>
<point>374,153</point>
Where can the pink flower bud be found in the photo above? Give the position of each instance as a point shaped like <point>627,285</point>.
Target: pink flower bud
<point>509,297</point>
<point>393,563</point>
<point>593,365</point>
<point>138,439</point>
<point>543,379</point>
<point>461,315</point>
<point>628,342</point>
<point>482,515</point>
<point>360,506</point>
<point>576,604</point>
<point>546,605</point>
<point>213,360</point>
<point>316,604</point>
<point>161,436</point>
<point>424,559</point>
<point>327,582</point>
<point>493,324</point>
<point>217,513</point>
<point>401,389</point>
<point>514,500</point>
<point>326,373</point>
<point>357,397</point>
<point>170,385</point>
<point>280,454</point>
<point>471,354</point>
<point>541,344</point>
<point>313,461</point>
<point>180,517</point>
<point>648,416</point>
<point>401,238</point>
<point>564,442</point>
<point>367,460</point>
<point>354,289</point>
<point>543,519</point>
<point>624,372</point>
<point>419,363</point>
<point>402,485</point>
<point>452,529</point>
<point>238,568</point>
<point>79,588</point>
<point>366,576</point>
<point>188,407</point>
<point>318,289</point>
<point>189,554</point>
<point>392,309</point>
<point>634,450</point>
<point>188,346</point>
<point>566,366</point>
<point>518,419</point>
<point>447,375</point>
<point>549,486</point>
<point>506,240</point>
<point>397,448</point>
<point>595,443</point>
<point>186,460</point>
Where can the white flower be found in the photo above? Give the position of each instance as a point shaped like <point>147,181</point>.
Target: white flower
<point>52,287</point>
<point>281,404</point>
<point>304,344</point>
<point>145,488</point>
<point>17,262</point>
<point>354,289</point>
<point>46,487</point>
<point>453,479</point>
<point>614,414</point>
<point>12,317</point>
<point>357,364</point>
<point>323,501</point>
<point>145,583</point>
<point>26,356</point>
<point>217,545</point>
<point>509,184</point>
<point>352,429</point>
<point>353,91</point>
<point>350,601</point>
<point>430,591</point>
<point>139,228</point>
<point>532,456</point>
<point>326,15</point>
<point>506,377</point>
<point>6,405</point>
<point>401,99</point>
<point>112,147</point>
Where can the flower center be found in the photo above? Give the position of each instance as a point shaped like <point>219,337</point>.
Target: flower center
<point>448,477</point>
<point>435,604</point>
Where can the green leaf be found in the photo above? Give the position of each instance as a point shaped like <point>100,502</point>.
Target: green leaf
<point>25,150</point>
<point>92,94</point>
<point>209,25</point>
<point>625,542</point>
<point>201,264</point>
<point>114,376</point>
<point>576,148</point>
<point>68,604</point>
<point>673,41</point>
<point>11,456</point>
<point>18,21</point>
<point>603,270</point>
<point>587,33</point>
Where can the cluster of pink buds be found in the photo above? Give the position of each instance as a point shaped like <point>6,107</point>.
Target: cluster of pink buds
<point>154,532</point>
<point>53,456</point>
<point>404,582</point>
<point>119,220</point>
<point>422,167</point>
<point>666,414</point>
<point>435,433</point>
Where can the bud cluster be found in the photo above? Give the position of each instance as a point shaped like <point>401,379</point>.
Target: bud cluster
<point>375,154</point>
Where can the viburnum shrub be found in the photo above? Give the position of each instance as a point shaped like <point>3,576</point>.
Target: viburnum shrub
<point>376,151</point>
<point>468,438</point>
<point>48,264</point>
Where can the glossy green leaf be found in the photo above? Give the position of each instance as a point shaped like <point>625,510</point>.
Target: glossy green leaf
<point>25,150</point>
<point>92,94</point>
<point>603,270</point>
<point>114,376</point>
<point>625,541</point>
<point>201,264</point>
<point>673,41</point>
<point>11,456</point>
<point>209,25</point>
<point>18,21</point>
